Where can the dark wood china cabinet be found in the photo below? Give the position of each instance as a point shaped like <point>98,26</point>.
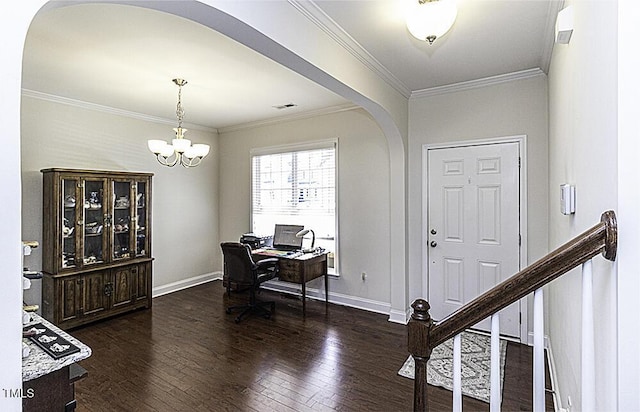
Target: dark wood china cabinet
<point>96,244</point>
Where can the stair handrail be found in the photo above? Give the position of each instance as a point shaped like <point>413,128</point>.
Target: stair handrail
<point>424,334</point>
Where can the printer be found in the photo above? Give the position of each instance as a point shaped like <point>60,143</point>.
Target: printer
<point>255,241</point>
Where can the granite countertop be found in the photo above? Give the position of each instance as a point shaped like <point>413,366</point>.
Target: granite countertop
<point>39,363</point>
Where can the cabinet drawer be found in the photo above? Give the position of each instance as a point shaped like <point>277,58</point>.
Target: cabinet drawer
<point>289,270</point>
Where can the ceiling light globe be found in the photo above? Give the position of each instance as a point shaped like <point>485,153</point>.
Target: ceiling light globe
<point>191,152</point>
<point>431,20</point>
<point>167,150</point>
<point>155,146</point>
<point>180,145</point>
<point>201,150</point>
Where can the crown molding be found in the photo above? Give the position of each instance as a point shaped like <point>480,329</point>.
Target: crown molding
<point>154,119</point>
<point>311,11</point>
<point>110,110</point>
<point>474,84</point>
<point>289,118</point>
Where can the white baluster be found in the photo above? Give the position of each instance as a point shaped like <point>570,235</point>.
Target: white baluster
<point>496,398</point>
<point>457,374</point>
<point>588,340</point>
<point>538,351</point>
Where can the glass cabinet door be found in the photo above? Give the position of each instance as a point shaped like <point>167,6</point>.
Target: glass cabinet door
<point>69,219</point>
<point>141,218</point>
<point>121,220</point>
<point>94,210</point>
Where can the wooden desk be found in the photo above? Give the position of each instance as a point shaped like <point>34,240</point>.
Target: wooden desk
<point>299,269</point>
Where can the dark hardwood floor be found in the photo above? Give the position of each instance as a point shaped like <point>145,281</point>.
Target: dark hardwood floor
<point>186,354</point>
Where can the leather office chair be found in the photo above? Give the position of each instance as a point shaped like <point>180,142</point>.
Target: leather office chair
<point>241,270</point>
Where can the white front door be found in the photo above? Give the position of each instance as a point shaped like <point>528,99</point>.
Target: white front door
<point>473,233</point>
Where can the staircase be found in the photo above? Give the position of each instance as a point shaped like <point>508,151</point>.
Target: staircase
<point>424,334</point>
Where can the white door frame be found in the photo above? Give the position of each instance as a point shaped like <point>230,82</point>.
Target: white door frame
<point>522,148</point>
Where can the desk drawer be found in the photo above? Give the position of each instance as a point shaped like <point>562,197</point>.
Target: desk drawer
<point>289,270</point>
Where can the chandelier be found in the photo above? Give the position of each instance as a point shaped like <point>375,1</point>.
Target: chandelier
<point>428,20</point>
<point>180,151</point>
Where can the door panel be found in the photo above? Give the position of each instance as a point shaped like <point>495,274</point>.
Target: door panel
<point>95,297</point>
<point>122,286</point>
<point>489,215</point>
<point>453,205</point>
<point>141,284</point>
<point>454,281</point>
<point>69,290</point>
<point>474,220</point>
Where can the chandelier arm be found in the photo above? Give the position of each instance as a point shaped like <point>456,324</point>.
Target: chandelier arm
<point>161,159</point>
<point>188,163</point>
<point>164,161</point>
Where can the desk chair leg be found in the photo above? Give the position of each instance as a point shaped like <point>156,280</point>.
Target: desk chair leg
<point>253,306</point>
<point>259,307</point>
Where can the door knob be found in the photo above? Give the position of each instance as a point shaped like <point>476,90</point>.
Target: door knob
<point>434,243</point>
<point>433,231</point>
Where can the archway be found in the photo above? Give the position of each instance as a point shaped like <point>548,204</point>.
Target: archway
<point>238,21</point>
<point>258,25</point>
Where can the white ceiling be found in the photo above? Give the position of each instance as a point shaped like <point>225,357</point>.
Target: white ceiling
<point>124,57</point>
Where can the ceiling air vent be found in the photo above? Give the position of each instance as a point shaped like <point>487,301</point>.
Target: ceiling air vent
<point>285,106</point>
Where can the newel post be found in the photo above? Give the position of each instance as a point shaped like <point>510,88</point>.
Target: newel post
<point>419,327</point>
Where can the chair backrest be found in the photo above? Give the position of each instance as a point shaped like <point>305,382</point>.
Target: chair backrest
<point>238,264</point>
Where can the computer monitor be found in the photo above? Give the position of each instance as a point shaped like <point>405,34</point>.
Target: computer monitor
<point>285,238</point>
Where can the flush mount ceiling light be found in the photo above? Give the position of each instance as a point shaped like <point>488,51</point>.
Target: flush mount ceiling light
<point>428,20</point>
<point>180,151</point>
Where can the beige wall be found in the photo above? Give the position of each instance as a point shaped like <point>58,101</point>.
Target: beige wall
<point>508,109</point>
<point>363,193</point>
<point>185,201</point>
<point>583,152</point>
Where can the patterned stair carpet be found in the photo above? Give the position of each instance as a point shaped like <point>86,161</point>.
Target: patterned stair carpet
<point>476,365</point>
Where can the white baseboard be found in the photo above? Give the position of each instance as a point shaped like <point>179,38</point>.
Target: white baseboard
<point>185,283</point>
<point>287,287</point>
<point>336,298</point>
<point>397,316</point>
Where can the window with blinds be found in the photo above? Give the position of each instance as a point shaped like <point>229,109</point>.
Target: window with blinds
<point>296,185</point>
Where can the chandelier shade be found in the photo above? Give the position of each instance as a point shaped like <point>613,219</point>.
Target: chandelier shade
<point>428,20</point>
<point>180,150</point>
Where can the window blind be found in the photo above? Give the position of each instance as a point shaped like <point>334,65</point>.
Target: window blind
<point>292,183</point>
